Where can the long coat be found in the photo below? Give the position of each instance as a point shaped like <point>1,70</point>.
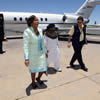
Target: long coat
<point>34,50</point>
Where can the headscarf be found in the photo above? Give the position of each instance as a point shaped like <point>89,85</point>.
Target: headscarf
<point>51,31</point>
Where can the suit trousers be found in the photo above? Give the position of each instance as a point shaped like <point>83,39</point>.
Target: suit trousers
<point>1,46</point>
<point>77,54</point>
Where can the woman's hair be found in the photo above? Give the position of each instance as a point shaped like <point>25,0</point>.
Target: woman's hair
<point>30,20</point>
<point>80,18</point>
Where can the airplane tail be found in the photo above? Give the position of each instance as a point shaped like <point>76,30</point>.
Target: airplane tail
<point>86,9</point>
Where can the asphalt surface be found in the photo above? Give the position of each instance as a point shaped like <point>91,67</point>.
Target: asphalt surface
<point>70,84</point>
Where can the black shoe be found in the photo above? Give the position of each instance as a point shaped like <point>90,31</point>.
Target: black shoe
<point>34,86</point>
<point>39,81</point>
<point>1,52</point>
<point>84,68</point>
<point>72,65</point>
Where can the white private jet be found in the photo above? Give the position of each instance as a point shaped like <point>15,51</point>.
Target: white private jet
<point>60,20</point>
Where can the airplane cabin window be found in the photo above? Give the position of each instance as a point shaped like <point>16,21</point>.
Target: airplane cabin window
<point>15,19</point>
<point>20,18</point>
<point>41,19</point>
<point>46,19</point>
<point>26,18</point>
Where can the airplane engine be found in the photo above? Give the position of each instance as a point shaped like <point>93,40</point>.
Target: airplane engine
<point>72,19</point>
<point>69,18</point>
<point>64,18</point>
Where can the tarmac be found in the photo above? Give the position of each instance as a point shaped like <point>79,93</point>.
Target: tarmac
<point>70,84</point>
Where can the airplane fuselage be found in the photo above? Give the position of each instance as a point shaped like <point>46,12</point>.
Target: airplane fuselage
<point>60,20</point>
<point>44,19</point>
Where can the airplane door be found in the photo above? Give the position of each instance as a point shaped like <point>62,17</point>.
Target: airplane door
<point>1,27</point>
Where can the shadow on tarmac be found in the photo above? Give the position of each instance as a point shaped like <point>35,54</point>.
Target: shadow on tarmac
<point>51,70</point>
<point>77,67</point>
<point>29,88</point>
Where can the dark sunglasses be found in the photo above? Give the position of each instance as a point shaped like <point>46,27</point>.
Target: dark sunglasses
<point>79,22</point>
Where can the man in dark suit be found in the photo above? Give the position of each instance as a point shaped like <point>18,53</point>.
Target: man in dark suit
<point>1,35</point>
<point>78,36</point>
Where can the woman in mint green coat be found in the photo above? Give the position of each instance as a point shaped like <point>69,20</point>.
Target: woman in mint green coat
<point>34,50</point>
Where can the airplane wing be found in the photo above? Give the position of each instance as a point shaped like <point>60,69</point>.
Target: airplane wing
<point>94,25</point>
<point>14,30</point>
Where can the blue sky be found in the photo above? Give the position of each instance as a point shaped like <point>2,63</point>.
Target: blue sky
<point>48,6</point>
